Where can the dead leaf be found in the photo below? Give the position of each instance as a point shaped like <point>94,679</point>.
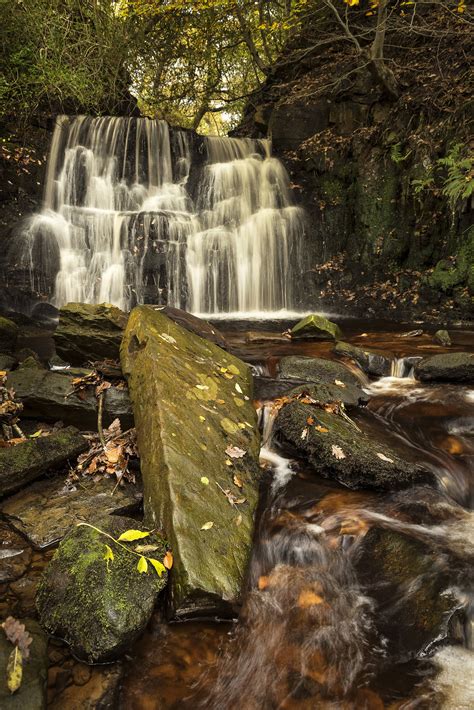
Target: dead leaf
<point>168,560</point>
<point>339,383</point>
<point>338,452</point>
<point>385,458</point>
<point>309,598</point>
<point>238,520</point>
<point>238,482</point>
<point>304,433</point>
<point>234,452</point>
<point>321,429</point>
<point>310,421</point>
<point>17,634</point>
<point>262,582</point>
<point>207,526</point>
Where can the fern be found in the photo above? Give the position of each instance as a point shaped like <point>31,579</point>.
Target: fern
<point>459,184</point>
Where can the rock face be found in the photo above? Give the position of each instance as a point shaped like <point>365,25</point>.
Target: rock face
<point>8,335</point>
<point>410,589</point>
<point>450,367</point>
<point>314,326</point>
<point>31,695</point>
<point>191,401</point>
<point>27,461</point>
<point>371,362</point>
<point>89,332</point>
<point>315,369</point>
<point>49,396</point>
<point>337,450</point>
<point>99,608</point>
<point>46,510</point>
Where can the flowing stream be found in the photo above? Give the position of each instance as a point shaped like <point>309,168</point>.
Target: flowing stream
<point>138,212</point>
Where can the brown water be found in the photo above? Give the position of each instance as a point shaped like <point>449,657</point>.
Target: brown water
<point>309,634</point>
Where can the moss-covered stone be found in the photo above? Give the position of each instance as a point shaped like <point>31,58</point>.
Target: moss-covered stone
<point>99,608</point>
<point>31,459</point>
<point>447,367</point>
<point>89,332</point>
<point>8,335</point>
<point>315,369</point>
<point>404,577</point>
<point>191,400</point>
<point>337,450</point>
<point>315,326</point>
<point>442,337</point>
<point>31,695</point>
<point>370,361</point>
<point>349,395</point>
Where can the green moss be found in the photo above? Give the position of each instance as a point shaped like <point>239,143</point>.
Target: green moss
<point>456,272</point>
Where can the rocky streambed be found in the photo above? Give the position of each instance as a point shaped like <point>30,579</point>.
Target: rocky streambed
<point>316,485</point>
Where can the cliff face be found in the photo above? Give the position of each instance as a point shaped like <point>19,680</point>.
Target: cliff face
<point>372,173</point>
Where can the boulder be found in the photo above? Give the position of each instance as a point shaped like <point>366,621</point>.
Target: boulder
<point>318,327</point>
<point>442,337</point>
<point>449,367</point>
<point>45,511</point>
<point>32,458</point>
<point>370,361</point>
<point>98,606</point>
<point>350,396</point>
<point>409,583</point>
<point>315,369</point>
<point>49,395</point>
<point>8,335</point>
<point>199,446</point>
<point>7,362</point>
<point>87,332</point>
<point>31,695</point>
<point>337,450</point>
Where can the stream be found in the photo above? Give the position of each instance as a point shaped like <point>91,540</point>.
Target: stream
<point>307,636</point>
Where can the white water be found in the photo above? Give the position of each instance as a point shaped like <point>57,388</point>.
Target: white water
<point>133,214</point>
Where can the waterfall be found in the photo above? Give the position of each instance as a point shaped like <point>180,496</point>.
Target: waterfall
<point>138,212</point>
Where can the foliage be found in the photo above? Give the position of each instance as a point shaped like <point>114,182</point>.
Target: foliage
<point>396,154</point>
<point>459,184</point>
<point>17,634</point>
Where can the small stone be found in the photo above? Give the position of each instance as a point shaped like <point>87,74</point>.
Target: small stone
<point>317,327</point>
<point>81,674</point>
<point>442,337</point>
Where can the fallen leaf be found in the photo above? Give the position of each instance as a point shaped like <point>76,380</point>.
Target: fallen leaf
<point>310,421</point>
<point>145,548</point>
<point>207,526</point>
<point>168,560</point>
<point>14,670</point>
<point>321,429</point>
<point>168,338</point>
<point>338,452</point>
<point>238,520</point>
<point>131,535</point>
<point>204,480</point>
<point>262,582</point>
<point>201,418</point>
<point>237,481</point>
<point>17,634</point>
<point>385,458</point>
<point>339,383</point>
<point>36,434</point>
<point>304,433</point>
<point>308,598</point>
<point>234,452</point>
<point>238,388</point>
<point>201,387</point>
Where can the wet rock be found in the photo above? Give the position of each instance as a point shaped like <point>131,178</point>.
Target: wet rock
<point>315,369</point>
<point>31,695</point>
<point>314,326</point>
<point>89,332</point>
<point>349,395</point>
<point>49,396</point>
<point>442,337</point>
<point>191,401</point>
<point>98,608</point>
<point>449,367</point>
<point>48,509</point>
<point>371,362</point>
<point>31,459</point>
<point>8,334</point>
<point>101,692</point>
<point>195,325</point>
<point>7,362</point>
<point>15,554</point>
<point>339,451</point>
<point>409,582</point>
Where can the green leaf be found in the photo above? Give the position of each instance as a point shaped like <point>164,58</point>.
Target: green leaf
<point>142,565</point>
<point>131,535</point>
<point>109,555</point>
<point>160,568</point>
<point>14,670</point>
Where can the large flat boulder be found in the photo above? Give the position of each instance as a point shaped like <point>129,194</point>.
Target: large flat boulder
<point>199,446</point>
<point>448,367</point>
<point>26,461</point>
<point>50,396</point>
<point>88,332</point>
<point>100,606</point>
<point>316,369</point>
<point>336,449</point>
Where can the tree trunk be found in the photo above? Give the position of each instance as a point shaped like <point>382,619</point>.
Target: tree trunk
<point>378,67</point>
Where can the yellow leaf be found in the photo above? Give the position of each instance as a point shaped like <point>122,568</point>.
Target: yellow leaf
<point>235,370</point>
<point>202,419</point>
<point>204,480</point>
<point>142,565</point>
<point>207,526</point>
<point>321,429</point>
<point>159,567</point>
<point>168,560</point>
<point>14,670</point>
<point>131,535</point>
<point>109,555</point>
<point>238,482</point>
<point>36,434</point>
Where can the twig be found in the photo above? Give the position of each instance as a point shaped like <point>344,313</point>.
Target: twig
<point>99,419</point>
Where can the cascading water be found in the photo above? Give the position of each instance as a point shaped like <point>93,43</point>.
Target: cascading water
<point>138,212</point>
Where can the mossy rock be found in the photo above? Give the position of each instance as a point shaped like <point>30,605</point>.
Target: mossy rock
<point>8,335</point>
<point>191,401</point>
<point>315,369</point>
<point>447,367</point>
<point>337,450</point>
<point>410,589</point>
<point>371,362</point>
<point>88,332</point>
<point>99,608</point>
<point>317,327</point>
<point>349,395</point>
<point>442,337</point>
